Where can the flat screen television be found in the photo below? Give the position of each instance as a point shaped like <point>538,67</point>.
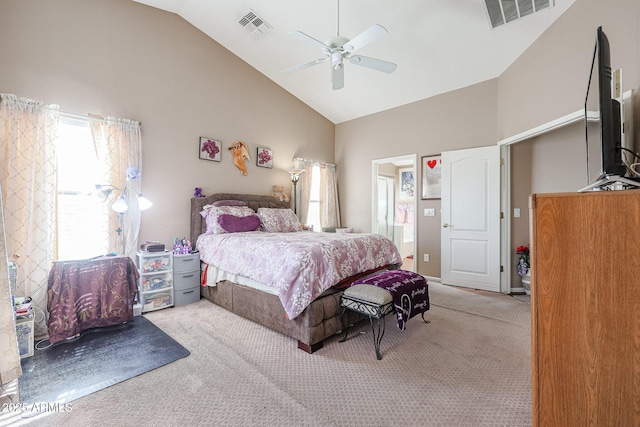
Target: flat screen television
<point>602,119</point>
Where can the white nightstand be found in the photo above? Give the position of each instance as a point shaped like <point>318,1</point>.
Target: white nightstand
<point>186,278</point>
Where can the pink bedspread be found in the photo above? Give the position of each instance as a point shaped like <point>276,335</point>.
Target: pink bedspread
<point>299,265</point>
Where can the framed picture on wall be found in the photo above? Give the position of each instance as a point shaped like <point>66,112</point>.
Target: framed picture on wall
<point>431,177</point>
<point>210,149</point>
<point>264,158</point>
<point>407,183</point>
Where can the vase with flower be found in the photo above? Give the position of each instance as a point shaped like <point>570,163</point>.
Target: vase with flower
<point>523,266</point>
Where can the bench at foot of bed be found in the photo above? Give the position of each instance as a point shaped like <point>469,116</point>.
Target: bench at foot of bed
<point>397,291</point>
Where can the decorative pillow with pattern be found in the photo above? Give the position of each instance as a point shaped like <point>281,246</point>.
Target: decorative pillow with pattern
<point>279,220</point>
<point>213,213</point>
<point>219,203</point>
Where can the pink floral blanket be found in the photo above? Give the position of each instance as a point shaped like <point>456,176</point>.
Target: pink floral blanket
<point>300,265</point>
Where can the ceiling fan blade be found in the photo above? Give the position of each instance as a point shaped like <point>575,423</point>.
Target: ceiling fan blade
<point>371,34</point>
<point>376,64</point>
<point>337,76</point>
<point>305,65</point>
<point>310,40</point>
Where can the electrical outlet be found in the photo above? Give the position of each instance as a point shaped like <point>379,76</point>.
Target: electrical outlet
<point>426,257</point>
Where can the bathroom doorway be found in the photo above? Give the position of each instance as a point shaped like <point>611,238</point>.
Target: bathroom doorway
<point>394,204</point>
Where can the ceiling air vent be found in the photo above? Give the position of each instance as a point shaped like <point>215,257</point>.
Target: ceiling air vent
<point>255,25</point>
<point>503,11</point>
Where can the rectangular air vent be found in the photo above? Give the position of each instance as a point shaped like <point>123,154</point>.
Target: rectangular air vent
<point>503,11</point>
<point>254,24</point>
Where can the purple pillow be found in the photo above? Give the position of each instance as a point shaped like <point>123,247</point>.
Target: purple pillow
<point>238,224</point>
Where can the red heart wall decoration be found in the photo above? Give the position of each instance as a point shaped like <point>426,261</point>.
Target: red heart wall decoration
<point>431,163</point>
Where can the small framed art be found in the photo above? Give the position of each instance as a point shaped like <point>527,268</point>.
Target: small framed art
<point>264,157</point>
<point>210,149</point>
<point>407,183</point>
<point>431,176</point>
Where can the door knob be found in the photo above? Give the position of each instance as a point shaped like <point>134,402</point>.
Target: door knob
<point>445,225</point>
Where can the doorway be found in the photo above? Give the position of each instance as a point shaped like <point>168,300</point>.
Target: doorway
<point>394,204</point>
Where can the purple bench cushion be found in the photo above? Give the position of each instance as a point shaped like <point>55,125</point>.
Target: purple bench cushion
<point>409,291</point>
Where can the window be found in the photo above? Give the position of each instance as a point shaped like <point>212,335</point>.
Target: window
<point>315,207</point>
<point>82,225</point>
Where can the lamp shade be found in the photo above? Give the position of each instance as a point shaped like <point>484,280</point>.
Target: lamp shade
<point>295,174</point>
<point>143,202</point>
<point>120,205</point>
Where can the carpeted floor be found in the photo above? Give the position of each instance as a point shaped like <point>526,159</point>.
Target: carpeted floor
<point>97,359</point>
<point>471,366</point>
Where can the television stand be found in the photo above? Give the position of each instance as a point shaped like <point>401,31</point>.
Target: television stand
<point>609,180</point>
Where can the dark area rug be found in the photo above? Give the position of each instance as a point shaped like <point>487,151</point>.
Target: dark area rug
<point>97,359</point>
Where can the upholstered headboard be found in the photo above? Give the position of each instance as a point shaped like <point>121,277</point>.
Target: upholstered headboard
<point>254,201</point>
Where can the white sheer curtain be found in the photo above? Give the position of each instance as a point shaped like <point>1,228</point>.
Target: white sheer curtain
<point>329,206</point>
<point>28,181</point>
<point>330,213</point>
<point>118,144</point>
<point>304,188</point>
<point>10,368</point>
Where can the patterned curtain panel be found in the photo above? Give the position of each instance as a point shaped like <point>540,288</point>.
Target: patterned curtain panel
<point>118,143</point>
<point>28,182</point>
<point>330,213</point>
<point>9,357</point>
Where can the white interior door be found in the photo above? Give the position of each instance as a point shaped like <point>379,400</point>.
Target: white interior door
<point>470,235</point>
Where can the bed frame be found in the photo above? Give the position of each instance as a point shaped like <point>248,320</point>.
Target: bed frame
<point>318,321</point>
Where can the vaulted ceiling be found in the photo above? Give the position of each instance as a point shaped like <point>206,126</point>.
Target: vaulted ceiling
<point>438,45</point>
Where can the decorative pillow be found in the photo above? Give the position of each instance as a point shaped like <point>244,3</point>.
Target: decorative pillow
<point>218,203</point>
<point>229,203</point>
<point>279,220</point>
<point>213,212</point>
<point>237,224</point>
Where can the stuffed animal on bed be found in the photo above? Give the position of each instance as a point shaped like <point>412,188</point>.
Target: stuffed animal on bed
<point>240,154</point>
<point>278,193</point>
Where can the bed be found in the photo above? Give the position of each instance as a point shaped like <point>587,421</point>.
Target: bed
<point>311,315</point>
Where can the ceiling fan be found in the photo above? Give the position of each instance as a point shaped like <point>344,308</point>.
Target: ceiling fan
<point>339,48</point>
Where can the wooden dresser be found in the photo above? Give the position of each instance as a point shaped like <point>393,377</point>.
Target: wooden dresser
<point>585,308</point>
